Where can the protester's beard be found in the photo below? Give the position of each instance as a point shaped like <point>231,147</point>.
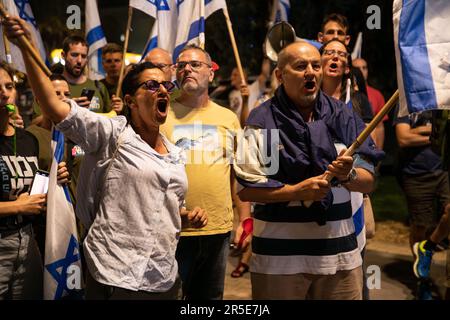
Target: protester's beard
<point>71,70</point>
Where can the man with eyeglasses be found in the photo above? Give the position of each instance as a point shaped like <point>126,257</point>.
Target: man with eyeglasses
<point>162,59</point>
<point>205,130</point>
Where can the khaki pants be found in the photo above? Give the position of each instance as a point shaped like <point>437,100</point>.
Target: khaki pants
<point>344,285</point>
<point>21,269</point>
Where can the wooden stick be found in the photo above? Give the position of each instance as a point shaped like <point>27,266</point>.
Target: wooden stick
<point>202,35</point>
<point>365,133</point>
<point>125,48</point>
<point>273,13</point>
<point>7,45</point>
<point>7,48</point>
<point>27,45</point>
<point>233,44</point>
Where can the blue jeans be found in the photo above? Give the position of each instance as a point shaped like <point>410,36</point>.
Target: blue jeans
<point>202,262</point>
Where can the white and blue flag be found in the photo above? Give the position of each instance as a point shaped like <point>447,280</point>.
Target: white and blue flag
<point>357,49</point>
<point>62,276</point>
<point>422,51</point>
<point>357,199</point>
<point>178,22</point>
<point>95,39</point>
<point>22,9</point>
<point>283,7</point>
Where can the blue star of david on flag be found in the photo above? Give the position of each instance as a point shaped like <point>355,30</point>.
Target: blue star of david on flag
<point>160,4</point>
<point>58,268</point>
<point>24,12</point>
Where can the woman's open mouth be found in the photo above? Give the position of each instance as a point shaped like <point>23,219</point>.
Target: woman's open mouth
<point>333,67</point>
<point>162,105</point>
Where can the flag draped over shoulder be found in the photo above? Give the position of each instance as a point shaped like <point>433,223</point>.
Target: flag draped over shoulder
<point>95,39</point>
<point>62,275</point>
<point>422,51</point>
<point>178,22</point>
<point>22,9</point>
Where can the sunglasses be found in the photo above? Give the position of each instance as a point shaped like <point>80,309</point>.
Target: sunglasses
<point>153,85</point>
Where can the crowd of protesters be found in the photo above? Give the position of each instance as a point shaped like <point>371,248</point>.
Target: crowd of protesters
<point>186,172</point>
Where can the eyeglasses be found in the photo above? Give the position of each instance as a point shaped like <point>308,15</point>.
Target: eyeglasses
<point>332,52</point>
<point>153,85</point>
<point>195,65</point>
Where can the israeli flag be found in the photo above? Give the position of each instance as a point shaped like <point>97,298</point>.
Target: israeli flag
<point>22,9</point>
<point>356,53</point>
<point>283,8</point>
<point>178,22</point>
<point>62,276</point>
<point>357,201</point>
<point>422,52</point>
<point>95,39</point>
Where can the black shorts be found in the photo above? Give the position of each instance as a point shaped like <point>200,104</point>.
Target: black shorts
<point>426,197</point>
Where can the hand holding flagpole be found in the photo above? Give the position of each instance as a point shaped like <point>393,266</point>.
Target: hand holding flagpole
<point>27,45</point>
<point>365,133</point>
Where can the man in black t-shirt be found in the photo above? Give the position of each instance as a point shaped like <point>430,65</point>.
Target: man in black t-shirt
<point>423,179</point>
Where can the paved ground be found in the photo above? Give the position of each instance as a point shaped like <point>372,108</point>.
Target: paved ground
<point>397,279</point>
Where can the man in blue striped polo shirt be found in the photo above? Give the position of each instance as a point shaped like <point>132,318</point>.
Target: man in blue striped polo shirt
<point>303,251</point>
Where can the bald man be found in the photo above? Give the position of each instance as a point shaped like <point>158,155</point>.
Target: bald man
<point>163,60</point>
<point>303,251</point>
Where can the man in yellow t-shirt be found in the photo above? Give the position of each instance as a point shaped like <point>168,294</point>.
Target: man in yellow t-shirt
<point>206,131</point>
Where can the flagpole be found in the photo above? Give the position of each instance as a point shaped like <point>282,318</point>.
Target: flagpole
<point>233,43</point>
<point>7,48</point>
<point>273,14</point>
<point>125,48</point>
<point>202,34</point>
<point>365,133</point>
<point>27,45</point>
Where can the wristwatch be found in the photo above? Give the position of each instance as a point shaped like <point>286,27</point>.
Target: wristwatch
<point>352,176</point>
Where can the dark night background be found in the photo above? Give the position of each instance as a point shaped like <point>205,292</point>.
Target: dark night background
<point>250,18</point>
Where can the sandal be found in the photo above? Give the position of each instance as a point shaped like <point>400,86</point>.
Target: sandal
<point>240,270</point>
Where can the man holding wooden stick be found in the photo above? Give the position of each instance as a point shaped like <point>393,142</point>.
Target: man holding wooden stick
<point>303,251</point>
